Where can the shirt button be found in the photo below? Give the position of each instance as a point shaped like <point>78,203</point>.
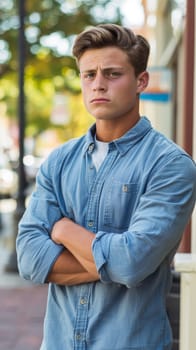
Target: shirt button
<point>91,147</point>
<point>90,223</point>
<point>78,336</point>
<point>125,188</point>
<point>83,301</point>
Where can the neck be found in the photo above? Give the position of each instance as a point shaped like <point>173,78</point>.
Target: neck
<point>108,130</point>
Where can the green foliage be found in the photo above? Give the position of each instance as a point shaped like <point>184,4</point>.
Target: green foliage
<point>50,28</point>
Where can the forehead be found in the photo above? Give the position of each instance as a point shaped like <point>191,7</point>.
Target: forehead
<point>104,57</point>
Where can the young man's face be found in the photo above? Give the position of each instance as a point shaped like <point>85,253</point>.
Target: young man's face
<point>109,85</point>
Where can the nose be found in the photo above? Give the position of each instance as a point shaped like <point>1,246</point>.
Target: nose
<point>99,83</point>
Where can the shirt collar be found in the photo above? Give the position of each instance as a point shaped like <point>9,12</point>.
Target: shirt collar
<point>124,143</point>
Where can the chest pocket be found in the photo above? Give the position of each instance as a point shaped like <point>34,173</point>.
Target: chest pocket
<point>120,200</point>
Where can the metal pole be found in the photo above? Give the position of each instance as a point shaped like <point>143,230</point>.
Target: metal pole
<point>21,110</point>
<point>12,262</point>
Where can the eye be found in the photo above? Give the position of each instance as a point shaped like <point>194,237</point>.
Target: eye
<point>88,75</point>
<point>113,74</point>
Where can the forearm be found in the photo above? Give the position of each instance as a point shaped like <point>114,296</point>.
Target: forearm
<point>80,246</point>
<point>71,279</point>
<point>66,263</point>
<point>78,241</point>
<point>68,271</point>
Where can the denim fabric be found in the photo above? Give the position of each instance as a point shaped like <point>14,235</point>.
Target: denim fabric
<point>137,205</point>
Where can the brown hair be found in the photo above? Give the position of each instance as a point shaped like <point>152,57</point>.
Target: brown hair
<point>136,47</point>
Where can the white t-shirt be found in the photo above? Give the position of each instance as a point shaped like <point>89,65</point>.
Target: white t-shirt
<point>100,152</point>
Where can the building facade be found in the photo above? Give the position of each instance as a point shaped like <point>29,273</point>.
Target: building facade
<point>170,28</point>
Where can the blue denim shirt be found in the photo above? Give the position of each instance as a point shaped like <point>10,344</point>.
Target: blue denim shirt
<point>137,205</point>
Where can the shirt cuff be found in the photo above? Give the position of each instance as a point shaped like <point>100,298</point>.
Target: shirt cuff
<point>100,249</point>
<point>54,254</point>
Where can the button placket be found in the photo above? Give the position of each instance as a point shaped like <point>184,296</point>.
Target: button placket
<point>82,318</point>
<point>96,188</point>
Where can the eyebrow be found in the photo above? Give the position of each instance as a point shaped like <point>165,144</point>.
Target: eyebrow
<point>103,69</point>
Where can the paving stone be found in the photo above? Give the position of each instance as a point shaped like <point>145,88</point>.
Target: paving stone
<point>21,317</point>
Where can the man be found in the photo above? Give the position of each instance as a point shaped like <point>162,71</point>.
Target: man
<point>108,211</point>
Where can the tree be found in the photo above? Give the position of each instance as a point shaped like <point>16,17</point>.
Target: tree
<point>50,28</point>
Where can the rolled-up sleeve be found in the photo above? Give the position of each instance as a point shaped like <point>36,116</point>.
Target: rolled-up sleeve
<point>156,226</point>
<point>36,252</point>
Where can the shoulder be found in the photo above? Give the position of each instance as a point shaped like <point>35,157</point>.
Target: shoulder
<point>167,156</point>
<point>67,147</point>
<point>161,156</point>
<point>164,147</point>
<point>55,160</point>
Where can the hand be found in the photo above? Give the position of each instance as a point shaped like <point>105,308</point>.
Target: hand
<point>78,241</point>
<point>59,229</point>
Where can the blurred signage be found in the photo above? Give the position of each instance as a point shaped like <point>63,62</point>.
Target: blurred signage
<point>159,88</point>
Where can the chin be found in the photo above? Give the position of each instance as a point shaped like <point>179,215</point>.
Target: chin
<point>103,118</point>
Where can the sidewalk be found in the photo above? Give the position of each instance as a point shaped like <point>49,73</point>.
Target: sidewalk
<point>21,317</point>
<point>22,304</point>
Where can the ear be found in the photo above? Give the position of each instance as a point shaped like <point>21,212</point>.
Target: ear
<point>142,81</point>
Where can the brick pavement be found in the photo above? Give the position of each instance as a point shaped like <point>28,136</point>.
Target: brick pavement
<point>21,317</point>
<point>22,304</point>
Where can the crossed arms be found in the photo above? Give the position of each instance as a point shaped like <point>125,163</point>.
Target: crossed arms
<point>75,264</point>
<point>127,258</point>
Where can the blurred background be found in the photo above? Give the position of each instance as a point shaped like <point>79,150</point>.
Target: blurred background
<point>40,97</point>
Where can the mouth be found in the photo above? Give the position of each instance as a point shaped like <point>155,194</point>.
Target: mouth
<point>99,100</point>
